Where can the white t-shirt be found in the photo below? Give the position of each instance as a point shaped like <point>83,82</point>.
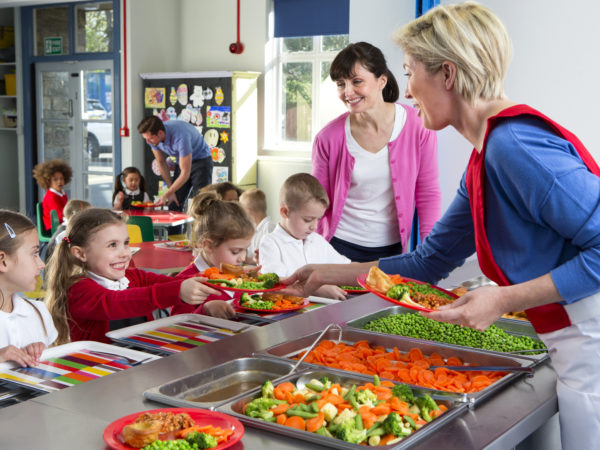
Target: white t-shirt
<point>23,326</point>
<point>265,227</point>
<point>283,254</point>
<point>369,217</point>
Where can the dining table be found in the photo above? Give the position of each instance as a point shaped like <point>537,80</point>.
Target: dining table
<point>154,257</point>
<point>161,219</point>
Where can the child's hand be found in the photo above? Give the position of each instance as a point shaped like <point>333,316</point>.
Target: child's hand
<point>194,292</point>
<point>20,356</point>
<point>331,291</point>
<point>34,350</point>
<point>219,308</point>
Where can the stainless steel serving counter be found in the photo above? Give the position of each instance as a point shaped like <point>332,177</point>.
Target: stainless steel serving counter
<point>77,416</point>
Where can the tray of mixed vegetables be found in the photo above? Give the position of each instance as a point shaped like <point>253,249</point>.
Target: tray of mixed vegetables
<point>346,411</point>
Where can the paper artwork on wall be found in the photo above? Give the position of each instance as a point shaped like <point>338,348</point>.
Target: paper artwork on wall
<point>173,96</point>
<point>197,98</point>
<point>171,113</point>
<point>211,137</point>
<point>220,174</point>
<point>224,137</point>
<point>218,116</point>
<point>217,154</point>
<point>154,97</point>
<point>207,94</point>
<point>219,96</point>
<point>182,94</point>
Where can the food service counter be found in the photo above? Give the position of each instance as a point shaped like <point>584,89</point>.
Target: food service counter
<point>76,417</point>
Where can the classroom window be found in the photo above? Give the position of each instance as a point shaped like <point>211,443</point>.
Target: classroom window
<point>305,97</point>
<point>94,27</point>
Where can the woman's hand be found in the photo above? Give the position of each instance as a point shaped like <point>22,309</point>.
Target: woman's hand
<point>303,282</point>
<point>219,308</point>
<point>331,291</point>
<point>308,279</point>
<point>34,350</point>
<point>194,291</point>
<point>476,309</point>
<point>20,356</point>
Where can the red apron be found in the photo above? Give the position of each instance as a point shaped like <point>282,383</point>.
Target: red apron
<point>545,318</point>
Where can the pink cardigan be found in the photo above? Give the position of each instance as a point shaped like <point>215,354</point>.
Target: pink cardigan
<point>414,168</point>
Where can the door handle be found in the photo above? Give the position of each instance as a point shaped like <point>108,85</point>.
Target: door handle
<point>70,108</point>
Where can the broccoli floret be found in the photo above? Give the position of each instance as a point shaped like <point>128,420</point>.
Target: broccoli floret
<point>326,382</point>
<point>259,407</point>
<point>393,424</point>
<point>404,393</point>
<point>270,277</point>
<point>426,404</point>
<point>267,389</point>
<point>202,440</point>
<point>348,432</point>
<point>346,416</point>
<point>366,397</point>
<point>399,292</point>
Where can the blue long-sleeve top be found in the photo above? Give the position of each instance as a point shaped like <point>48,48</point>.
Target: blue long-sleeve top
<point>542,215</point>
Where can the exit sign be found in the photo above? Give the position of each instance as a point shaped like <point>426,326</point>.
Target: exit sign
<point>53,45</point>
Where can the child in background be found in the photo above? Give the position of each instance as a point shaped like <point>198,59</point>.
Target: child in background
<point>294,243</point>
<point>254,202</point>
<point>129,187</point>
<point>26,327</point>
<point>222,232</point>
<point>227,191</point>
<point>91,289</point>
<point>52,176</point>
<point>71,208</point>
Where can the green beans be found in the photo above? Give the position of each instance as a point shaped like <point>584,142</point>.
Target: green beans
<point>417,326</point>
<point>315,388</point>
<point>300,413</point>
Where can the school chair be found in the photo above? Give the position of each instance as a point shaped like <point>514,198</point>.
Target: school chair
<point>135,234</point>
<point>38,292</point>
<point>177,237</point>
<point>54,222</point>
<point>145,224</point>
<point>42,236</point>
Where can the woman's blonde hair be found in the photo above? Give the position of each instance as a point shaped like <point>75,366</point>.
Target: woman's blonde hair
<point>468,35</point>
<point>218,220</point>
<point>64,269</point>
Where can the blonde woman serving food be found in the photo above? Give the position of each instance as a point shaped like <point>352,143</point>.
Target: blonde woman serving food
<point>376,162</point>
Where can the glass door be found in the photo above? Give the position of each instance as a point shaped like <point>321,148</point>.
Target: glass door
<point>74,123</point>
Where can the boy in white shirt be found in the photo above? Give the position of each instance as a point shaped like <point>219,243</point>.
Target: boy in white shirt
<point>294,243</point>
<point>254,201</point>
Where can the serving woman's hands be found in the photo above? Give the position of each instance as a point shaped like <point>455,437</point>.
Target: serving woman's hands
<point>308,279</point>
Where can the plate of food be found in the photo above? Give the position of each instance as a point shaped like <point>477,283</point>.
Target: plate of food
<point>138,204</point>
<point>353,290</point>
<point>184,245</point>
<point>236,279</point>
<point>209,429</point>
<point>270,302</point>
<point>404,291</point>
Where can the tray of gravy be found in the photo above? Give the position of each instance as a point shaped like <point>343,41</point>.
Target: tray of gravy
<point>217,385</point>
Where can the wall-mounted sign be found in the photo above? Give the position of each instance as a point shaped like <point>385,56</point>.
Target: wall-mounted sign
<point>53,45</point>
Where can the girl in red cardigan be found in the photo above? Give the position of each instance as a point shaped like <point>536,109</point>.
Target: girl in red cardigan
<point>91,290</point>
<point>52,176</point>
<point>222,232</point>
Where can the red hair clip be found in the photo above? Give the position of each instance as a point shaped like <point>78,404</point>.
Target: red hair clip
<point>67,240</point>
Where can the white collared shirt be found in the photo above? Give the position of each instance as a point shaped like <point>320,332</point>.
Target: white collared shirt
<point>283,254</point>
<point>58,193</point>
<point>22,326</point>
<point>112,285</point>
<point>265,227</point>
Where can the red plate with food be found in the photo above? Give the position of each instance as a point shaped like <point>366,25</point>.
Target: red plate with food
<point>237,279</point>
<point>143,205</point>
<point>304,304</point>
<point>445,296</point>
<point>226,429</point>
<point>353,290</point>
<point>276,287</point>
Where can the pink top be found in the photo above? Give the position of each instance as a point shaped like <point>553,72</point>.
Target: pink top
<point>414,168</point>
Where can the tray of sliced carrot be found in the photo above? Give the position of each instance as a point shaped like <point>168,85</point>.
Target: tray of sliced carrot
<point>346,411</point>
<point>405,360</point>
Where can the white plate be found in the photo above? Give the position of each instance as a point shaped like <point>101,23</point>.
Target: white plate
<point>212,329</point>
<point>48,377</point>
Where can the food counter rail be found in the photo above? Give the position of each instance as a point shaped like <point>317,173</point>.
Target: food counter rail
<point>76,417</point>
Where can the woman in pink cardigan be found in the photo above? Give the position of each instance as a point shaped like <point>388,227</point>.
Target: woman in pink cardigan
<point>376,162</point>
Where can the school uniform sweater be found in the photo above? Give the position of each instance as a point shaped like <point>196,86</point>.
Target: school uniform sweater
<point>53,200</point>
<point>92,306</point>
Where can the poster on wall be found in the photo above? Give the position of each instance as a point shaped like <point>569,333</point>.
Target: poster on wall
<point>203,101</point>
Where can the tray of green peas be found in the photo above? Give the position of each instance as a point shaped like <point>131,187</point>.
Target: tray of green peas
<point>504,336</point>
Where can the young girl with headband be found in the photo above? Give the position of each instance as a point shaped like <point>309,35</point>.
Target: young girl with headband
<point>26,327</point>
<point>222,232</point>
<point>91,287</point>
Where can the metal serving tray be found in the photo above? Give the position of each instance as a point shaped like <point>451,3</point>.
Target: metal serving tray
<point>510,326</point>
<point>235,408</point>
<point>211,387</point>
<point>289,349</point>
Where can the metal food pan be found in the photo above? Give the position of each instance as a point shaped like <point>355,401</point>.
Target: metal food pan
<point>235,408</point>
<point>211,387</point>
<point>350,336</point>
<point>510,326</point>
